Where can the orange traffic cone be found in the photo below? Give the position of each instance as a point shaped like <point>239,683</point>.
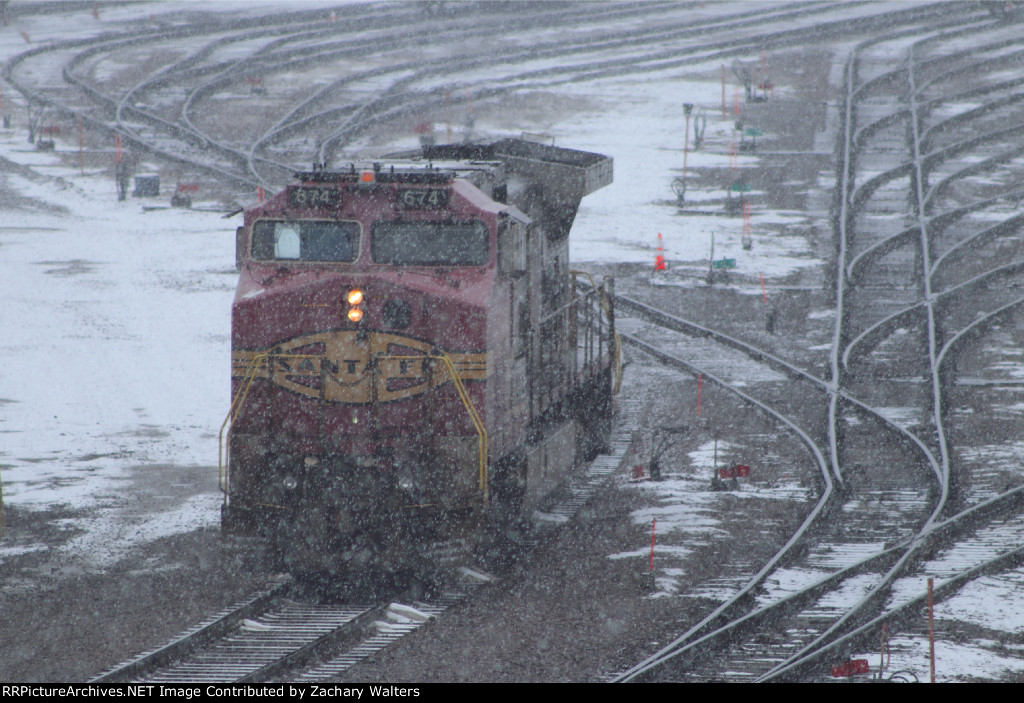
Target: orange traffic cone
<point>659,260</point>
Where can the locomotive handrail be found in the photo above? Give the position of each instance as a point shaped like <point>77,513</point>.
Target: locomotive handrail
<point>478,424</point>
<point>607,307</point>
<point>258,360</point>
<point>236,405</point>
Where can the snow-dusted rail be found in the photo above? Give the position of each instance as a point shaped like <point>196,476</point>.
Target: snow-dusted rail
<point>803,661</point>
<point>679,39</point>
<point>271,636</point>
<point>895,559</point>
<point>198,636</point>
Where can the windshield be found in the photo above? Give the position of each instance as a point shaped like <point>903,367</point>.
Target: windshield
<point>430,243</point>
<point>305,240</point>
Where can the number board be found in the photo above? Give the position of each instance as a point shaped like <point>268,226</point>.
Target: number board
<point>309,196</point>
<point>422,198</point>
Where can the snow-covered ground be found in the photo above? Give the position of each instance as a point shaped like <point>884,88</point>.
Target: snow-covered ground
<point>114,320</point>
<point>115,339</point>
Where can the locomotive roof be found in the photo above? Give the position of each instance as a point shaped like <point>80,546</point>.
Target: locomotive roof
<point>440,172</point>
<point>441,163</point>
<point>522,148</point>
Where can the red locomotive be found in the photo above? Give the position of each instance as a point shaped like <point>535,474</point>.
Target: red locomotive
<point>411,354</point>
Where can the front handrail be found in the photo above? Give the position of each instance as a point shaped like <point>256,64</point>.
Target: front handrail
<point>467,402</point>
<point>223,451</point>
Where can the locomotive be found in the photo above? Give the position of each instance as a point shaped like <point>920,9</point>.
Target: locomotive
<point>412,359</point>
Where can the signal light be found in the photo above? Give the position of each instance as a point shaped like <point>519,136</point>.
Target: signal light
<point>354,297</point>
<point>355,314</point>
<point>366,176</point>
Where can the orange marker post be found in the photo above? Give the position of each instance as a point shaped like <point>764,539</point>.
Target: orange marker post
<point>763,293</point>
<point>698,393</point>
<point>686,141</point>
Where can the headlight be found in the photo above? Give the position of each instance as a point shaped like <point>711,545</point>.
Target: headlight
<point>290,482</point>
<point>355,298</point>
<point>405,482</point>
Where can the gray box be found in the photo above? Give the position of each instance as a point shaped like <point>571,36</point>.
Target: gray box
<point>147,186</point>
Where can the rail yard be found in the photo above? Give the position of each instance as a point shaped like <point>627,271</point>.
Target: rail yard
<point>811,251</point>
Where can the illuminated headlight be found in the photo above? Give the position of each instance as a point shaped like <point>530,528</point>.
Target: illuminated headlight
<point>290,482</point>
<point>405,480</point>
<point>355,314</point>
<point>406,483</point>
<point>354,297</point>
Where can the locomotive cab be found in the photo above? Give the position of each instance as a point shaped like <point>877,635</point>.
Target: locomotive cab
<point>406,349</point>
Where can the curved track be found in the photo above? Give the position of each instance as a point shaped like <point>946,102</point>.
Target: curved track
<point>396,67</point>
<point>945,320</point>
<point>928,267</point>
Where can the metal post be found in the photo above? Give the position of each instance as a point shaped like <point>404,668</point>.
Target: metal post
<point>687,109</point>
<point>883,645</point>
<point>711,263</point>
<point>447,116</point>
<point>931,631</point>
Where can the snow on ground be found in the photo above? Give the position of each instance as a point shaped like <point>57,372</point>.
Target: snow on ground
<point>115,333</point>
<point>991,601</point>
<point>978,660</point>
<point>116,320</point>
<point>641,127</point>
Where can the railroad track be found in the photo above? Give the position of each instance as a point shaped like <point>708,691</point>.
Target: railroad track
<point>275,635</point>
<point>759,637</point>
<point>264,637</point>
<point>789,638</point>
<point>152,115</point>
<point>905,202</point>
